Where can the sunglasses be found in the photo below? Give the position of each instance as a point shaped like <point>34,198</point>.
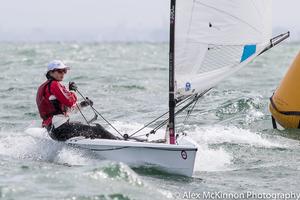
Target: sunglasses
<point>60,71</point>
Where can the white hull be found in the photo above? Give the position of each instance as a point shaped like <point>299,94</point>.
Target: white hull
<point>177,159</point>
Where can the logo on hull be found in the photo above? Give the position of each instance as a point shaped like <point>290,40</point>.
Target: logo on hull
<point>183,154</point>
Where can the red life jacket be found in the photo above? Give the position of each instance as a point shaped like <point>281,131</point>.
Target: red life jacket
<point>45,106</point>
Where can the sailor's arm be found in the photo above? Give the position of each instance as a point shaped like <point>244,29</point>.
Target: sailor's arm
<point>64,96</point>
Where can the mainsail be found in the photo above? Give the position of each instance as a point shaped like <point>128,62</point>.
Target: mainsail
<point>209,41</point>
<point>215,38</point>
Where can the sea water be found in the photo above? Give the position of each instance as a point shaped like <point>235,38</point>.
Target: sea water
<point>239,154</point>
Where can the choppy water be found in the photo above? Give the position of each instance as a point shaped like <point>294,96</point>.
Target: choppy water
<point>238,149</point>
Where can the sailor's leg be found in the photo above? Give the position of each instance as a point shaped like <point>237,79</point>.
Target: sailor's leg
<point>69,130</point>
<point>102,132</point>
<point>74,129</point>
<point>62,133</point>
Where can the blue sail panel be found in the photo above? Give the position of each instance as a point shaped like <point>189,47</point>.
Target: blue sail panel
<point>249,50</point>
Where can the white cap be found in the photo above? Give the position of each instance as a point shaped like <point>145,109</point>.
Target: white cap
<point>56,64</point>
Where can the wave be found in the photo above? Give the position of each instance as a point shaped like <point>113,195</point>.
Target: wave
<point>220,148</point>
<point>213,141</point>
<point>233,135</point>
<point>35,145</point>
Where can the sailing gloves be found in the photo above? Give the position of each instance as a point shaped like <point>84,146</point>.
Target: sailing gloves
<point>72,86</point>
<point>86,102</point>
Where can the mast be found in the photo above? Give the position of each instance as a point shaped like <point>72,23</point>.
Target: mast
<point>172,74</point>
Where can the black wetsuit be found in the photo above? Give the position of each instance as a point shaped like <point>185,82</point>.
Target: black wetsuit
<point>74,129</point>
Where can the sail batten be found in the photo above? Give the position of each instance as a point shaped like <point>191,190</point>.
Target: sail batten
<point>215,38</point>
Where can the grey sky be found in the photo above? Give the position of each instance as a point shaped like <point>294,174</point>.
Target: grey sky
<point>99,20</point>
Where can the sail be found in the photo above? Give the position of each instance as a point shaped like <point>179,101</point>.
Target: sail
<point>215,38</point>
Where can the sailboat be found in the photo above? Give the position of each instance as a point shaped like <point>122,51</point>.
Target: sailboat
<point>209,41</point>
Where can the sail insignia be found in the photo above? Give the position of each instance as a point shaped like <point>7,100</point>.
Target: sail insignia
<point>249,50</point>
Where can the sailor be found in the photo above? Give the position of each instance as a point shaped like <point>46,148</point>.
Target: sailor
<point>55,104</point>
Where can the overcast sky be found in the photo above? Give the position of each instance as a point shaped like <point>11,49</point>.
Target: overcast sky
<point>98,20</point>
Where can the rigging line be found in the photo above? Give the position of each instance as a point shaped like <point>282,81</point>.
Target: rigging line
<point>196,98</point>
<point>188,115</point>
<point>148,124</point>
<point>160,125</point>
<point>107,121</point>
<point>166,121</point>
<point>82,114</point>
<point>180,110</point>
<point>96,112</point>
<point>190,111</point>
<point>205,5</point>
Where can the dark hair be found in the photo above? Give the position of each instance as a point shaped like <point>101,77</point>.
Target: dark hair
<point>48,75</point>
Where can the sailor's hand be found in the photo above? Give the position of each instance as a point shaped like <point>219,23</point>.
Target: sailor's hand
<point>86,102</point>
<point>72,86</point>
<point>90,102</point>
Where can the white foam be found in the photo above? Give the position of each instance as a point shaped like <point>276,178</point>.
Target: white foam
<point>36,145</point>
<point>38,133</point>
<point>253,115</point>
<point>233,135</point>
<point>27,147</point>
<point>218,159</point>
<point>212,159</point>
<point>72,156</point>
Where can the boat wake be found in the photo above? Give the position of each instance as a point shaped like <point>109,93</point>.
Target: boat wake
<point>213,142</point>
<point>232,135</point>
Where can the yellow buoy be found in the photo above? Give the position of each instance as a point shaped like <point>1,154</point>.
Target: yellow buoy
<point>285,102</point>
